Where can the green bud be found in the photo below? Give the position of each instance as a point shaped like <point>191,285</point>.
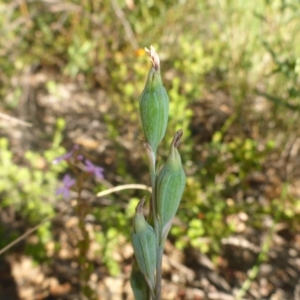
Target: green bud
<point>154,104</point>
<point>144,245</point>
<point>138,283</point>
<point>170,184</point>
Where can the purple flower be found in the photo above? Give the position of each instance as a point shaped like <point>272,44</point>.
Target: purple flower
<point>91,168</point>
<point>79,157</point>
<point>65,156</point>
<point>68,182</point>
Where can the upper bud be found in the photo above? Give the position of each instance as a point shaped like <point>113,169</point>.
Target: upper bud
<point>154,104</point>
<point>139,222</point>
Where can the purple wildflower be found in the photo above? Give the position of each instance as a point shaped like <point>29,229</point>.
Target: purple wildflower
<point>91,168</point>
<point>79,157</point>
<point>66,156</point>
<point>68,182</point>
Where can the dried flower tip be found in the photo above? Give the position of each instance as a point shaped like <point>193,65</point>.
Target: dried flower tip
<point>177,138</point>
<point>154,57</point>
<point>140,205</point>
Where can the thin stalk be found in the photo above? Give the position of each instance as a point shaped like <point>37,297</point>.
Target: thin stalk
<point>158,234</point>
<point>153,215</point>
<point>159,247</point>
<point>160,251</point>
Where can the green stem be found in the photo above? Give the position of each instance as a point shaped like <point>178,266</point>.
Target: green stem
<point>159,247</point>
<point>155,221</point>
<point>160,251</point>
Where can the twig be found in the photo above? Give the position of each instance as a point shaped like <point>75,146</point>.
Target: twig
<point>101,194</point>
<point>124,187</point>
<point>23,236</point>
<point>126,24</point>
<point>14,120</point>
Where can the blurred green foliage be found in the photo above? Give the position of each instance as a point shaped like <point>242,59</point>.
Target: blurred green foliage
<point>249,50</point>
<point>28,188</point>
<point>115,232</point>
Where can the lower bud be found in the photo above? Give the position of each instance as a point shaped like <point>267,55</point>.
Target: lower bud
<point>144,245</point>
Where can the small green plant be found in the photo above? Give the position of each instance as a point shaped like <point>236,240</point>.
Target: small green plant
<point>148,238</point>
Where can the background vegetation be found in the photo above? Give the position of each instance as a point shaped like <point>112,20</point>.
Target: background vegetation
<point>73,70</point>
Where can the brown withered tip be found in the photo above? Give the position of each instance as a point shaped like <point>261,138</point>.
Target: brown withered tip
<point>140,205</point>
<point>177,138</point>
<point>154,57</point>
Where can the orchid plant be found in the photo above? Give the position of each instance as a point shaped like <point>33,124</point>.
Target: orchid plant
<point>168,183</point>
<point>148,237</point>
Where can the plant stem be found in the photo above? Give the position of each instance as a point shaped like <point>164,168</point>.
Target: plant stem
<point>157,229</point>
<point>160,251</point>
<point>155,222</point>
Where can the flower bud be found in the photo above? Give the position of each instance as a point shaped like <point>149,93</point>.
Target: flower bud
<point>144,245</point>
<point>170,184</point>
<point>138,283</point>
<point>154,104</point>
